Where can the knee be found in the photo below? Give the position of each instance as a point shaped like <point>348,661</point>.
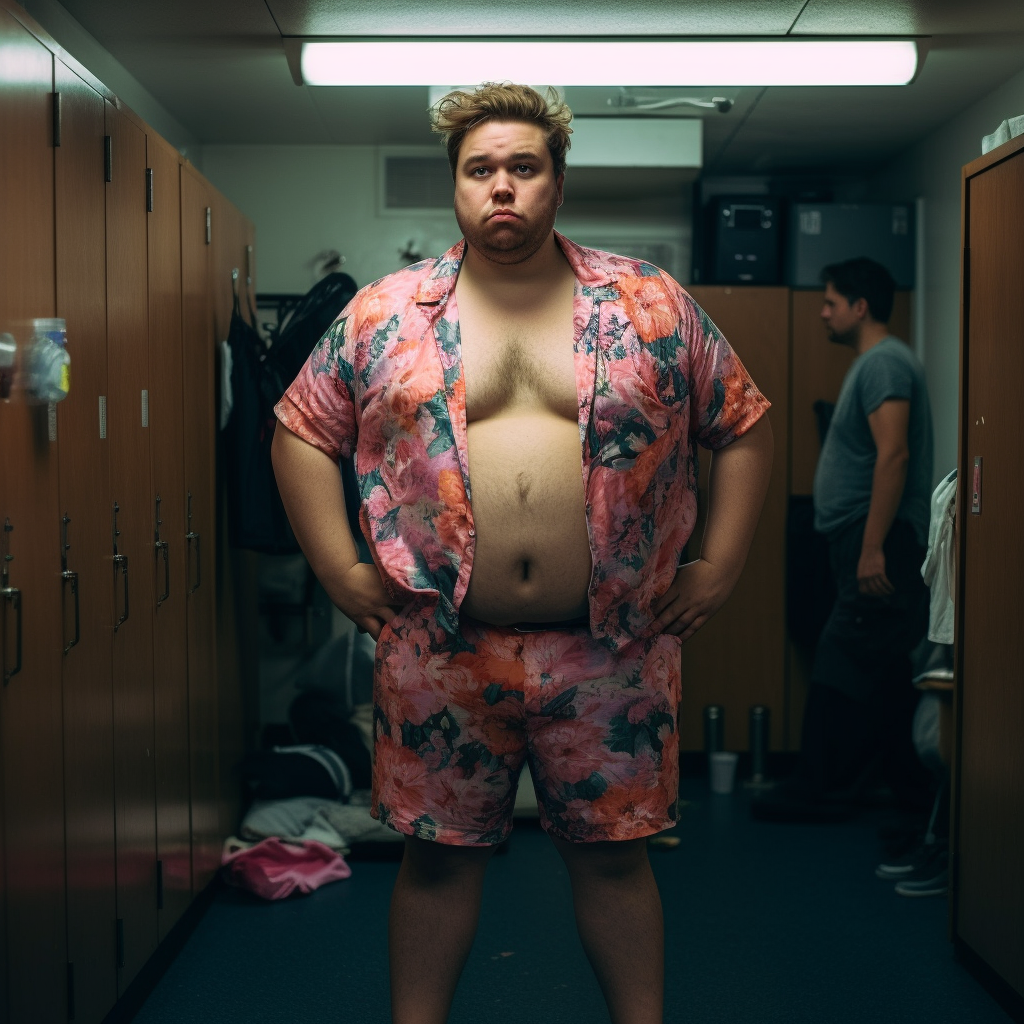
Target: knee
<point>607,862</point>
<point>428,863</point>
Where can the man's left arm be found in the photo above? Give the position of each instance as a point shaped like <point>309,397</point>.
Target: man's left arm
<point>740,473</point>
<point>889,424</point>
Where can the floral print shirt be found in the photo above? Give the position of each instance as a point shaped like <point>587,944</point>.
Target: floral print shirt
<point>654,378</point>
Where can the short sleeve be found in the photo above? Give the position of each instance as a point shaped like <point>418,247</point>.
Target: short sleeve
<point>882,378</point>
<point>319,405</point>
<point>724,402</point>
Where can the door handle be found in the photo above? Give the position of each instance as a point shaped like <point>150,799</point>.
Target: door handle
<point>121,562</point>
<point>162,552</point>
<point>67,576</point>
<point>12,596</point>
<point>191,537</point>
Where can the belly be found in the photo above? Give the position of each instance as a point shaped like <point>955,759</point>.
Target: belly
<point>532,560</point>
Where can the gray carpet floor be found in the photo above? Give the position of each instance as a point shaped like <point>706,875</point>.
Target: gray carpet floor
<point>765,923</point>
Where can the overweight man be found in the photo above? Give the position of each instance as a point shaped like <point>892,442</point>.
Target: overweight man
<point>524,416</point>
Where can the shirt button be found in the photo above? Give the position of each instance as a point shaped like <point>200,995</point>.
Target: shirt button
<point>472,532</point>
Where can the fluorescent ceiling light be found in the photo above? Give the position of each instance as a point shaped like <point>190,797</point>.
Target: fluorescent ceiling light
<point>573,62</point>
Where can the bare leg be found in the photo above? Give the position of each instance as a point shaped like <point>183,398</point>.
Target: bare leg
<point>435,906</point>
<point>618,915</point>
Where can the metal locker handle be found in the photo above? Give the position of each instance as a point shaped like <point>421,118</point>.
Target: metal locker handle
<point>190,537</point>
<point>12,595</point>
<point>121,562</point>
<point>67,576</point>
<point>162,551</point>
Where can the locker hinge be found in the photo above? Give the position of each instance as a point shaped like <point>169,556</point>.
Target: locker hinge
<point>56,119</point>
<point>71,991</point>
<point>209,225</point>
<point>149,189</point>
<point>120,943</point>
<point>108,158</point>
<point>159,885</point>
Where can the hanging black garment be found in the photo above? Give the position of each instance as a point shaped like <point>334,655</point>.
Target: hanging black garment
<point>256,516</point>
<point>307,323</point>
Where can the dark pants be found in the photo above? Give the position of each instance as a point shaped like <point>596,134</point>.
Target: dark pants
<point>861,702</point>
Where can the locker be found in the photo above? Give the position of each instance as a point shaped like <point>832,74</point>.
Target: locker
<point>131,575</point>
<point>198,339</point>
<point>168,506</point>
<point>84,522</point>
<point>30,699</point>
<point>756,320</point>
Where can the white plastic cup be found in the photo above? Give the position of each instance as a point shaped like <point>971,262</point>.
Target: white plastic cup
<point>722,771</point>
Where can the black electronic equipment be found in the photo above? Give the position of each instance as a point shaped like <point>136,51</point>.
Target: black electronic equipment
<point>744,235</point>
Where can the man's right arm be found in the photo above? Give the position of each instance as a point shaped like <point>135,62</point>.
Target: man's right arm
<point>310,484</point>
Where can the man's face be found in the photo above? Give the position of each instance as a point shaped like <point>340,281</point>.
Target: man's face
<point>506,193</point>
<point>842,318</point>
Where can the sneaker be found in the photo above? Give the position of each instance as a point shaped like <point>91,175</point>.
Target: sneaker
<point>937,886</point>
<point>930,878</point>
<point>892,869</point>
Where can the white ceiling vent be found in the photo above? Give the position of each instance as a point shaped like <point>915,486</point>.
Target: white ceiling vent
<point>414,180</point>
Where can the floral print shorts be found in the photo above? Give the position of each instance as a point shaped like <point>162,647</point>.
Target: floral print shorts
<point>453,729</point>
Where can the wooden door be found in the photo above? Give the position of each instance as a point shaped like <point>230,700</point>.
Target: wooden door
<point>85,524</point>
<point>168,497</point>
<point>30,700</point>
<point>989,847</point>
<point>817,369</point>
<point>198,390</point>
<point>132,560</point>
<point>237,652</point>
<point>756,323</point>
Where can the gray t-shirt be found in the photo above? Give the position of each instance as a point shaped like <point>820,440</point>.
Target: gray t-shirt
<point>842,481</point>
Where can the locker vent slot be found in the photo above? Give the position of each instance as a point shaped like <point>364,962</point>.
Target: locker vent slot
<point>51,421</point>
<point>103,417</point>
<point>145,407</point>
<point>108,158</point>
<point>149,189</point>
<point>209,225</point>
<point>417,183</point>
<point>56,119</point>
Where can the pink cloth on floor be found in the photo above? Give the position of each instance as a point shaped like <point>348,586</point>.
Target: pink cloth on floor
<point>274,869</point>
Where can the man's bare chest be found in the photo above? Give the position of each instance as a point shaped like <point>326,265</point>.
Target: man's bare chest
<point>518,363</point>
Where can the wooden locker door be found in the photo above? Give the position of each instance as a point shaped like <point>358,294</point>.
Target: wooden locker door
<point>235,566</point>
<point>989,848</point>
<point>30,700</point>
<point>756,322</point>
<point>132,565</point>
<point>198,390</point>
<point>817,368</point>
<point>85,521</point>
<point>167,442</point>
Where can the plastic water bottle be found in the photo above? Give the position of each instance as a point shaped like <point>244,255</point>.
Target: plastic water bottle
<point>50,363</point>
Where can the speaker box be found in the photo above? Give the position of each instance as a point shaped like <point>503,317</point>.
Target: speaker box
<point>745,240</point>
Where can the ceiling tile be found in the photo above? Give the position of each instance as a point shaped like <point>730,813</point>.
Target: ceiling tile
<point>910,17</point>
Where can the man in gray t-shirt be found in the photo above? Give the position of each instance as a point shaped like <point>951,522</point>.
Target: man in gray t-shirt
<point>882,411</point>
<point>872,493</point>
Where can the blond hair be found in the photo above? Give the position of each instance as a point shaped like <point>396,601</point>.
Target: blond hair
<point>460,111</point>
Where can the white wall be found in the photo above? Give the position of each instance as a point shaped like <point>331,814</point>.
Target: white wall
<point>931,170</point>
<point>307,199</point>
